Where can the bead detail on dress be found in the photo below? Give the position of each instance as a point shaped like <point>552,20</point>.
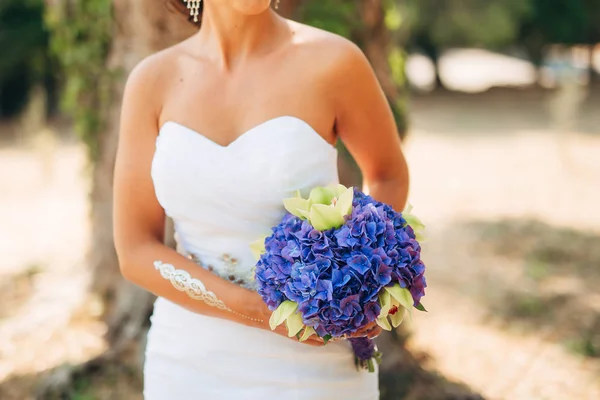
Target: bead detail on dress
<point>228,273</point>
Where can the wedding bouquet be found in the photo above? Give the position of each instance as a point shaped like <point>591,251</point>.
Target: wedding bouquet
<point>338,261</point>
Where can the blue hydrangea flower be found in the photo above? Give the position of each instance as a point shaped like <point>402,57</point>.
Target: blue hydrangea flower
<point>335,276</point>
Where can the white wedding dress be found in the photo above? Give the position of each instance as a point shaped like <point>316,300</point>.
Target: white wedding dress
<point>221,198</point>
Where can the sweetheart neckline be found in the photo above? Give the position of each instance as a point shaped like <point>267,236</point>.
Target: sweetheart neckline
<point>247,132</point>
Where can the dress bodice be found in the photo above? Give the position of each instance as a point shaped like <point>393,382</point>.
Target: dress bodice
<point>222,198</point>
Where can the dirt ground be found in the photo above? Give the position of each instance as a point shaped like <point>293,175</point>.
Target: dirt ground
<point>506,186</point>
<point>514,251</point>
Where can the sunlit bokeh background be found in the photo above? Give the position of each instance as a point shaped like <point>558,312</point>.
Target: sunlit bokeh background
<point>499,105</point>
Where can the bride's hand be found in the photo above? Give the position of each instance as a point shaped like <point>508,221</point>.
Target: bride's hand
<point>371,331</point>
<point>314,340</point>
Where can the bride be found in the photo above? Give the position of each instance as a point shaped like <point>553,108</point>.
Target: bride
<point>215,132</point>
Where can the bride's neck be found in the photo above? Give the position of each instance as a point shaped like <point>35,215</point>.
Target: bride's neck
<point>231,36</point>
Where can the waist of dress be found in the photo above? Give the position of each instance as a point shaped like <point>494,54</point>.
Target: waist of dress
<point>223,265</point>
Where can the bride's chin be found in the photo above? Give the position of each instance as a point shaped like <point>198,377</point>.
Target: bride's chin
<point>251,7</point>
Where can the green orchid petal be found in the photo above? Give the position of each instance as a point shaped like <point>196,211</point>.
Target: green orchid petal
<point>282,312</point>
<point>417,226</point>
<point>337,189</point>
<point>305,214</point>
<point>344,202</point>
<point>308,332</point>
<point>384,323</point>
<point>397,318</point>
<point>385,301</point>
<point>415,223</point>
<point>258,248</point>
<point>294,324</point>
<point>403,296</point>
<point>296,206</point>
<point>324,217</point>
<point>321,195</point>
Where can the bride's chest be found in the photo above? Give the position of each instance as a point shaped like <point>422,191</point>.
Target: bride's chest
<point>224,107</point>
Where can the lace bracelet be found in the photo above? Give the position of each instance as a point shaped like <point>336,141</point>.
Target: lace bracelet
<point>194,288</point>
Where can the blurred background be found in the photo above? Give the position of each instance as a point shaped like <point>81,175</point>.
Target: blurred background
<point>498,105</point>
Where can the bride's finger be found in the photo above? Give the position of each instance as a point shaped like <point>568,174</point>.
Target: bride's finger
<point>312,341</point>
<point>374,332</point>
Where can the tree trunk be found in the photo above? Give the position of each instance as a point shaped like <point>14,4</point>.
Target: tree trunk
<point>591,67</point>
<point>289,8</point>
<point>375,40</point>
<point>142,28</point>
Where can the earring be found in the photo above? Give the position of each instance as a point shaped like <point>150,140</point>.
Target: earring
<point>277,4</point>
<point>194,7</point>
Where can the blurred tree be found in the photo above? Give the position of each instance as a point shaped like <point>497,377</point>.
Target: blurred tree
<point>552,22</point>
<point>25,60</point>
<point>432,25</point>
<point>567,22</point>
<point>592,33</point>
<point>98,43</point>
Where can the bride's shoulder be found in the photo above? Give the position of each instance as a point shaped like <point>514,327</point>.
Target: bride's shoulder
<point>152,75</point>
<point>335,54</point>
<point>155,67</point>
<point>149,82</point>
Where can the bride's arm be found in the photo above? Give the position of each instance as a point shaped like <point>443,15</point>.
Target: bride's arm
<point>139,220</point>
<point>365,124</point>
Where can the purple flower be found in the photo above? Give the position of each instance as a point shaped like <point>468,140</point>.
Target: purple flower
<point>336,275</point>
<point>364,348</point>
<point>359,263</point>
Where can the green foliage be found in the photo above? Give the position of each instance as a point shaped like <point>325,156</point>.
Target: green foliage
<point>337,16</point>
<point>592,26</point>
<point>393,16</point>
<point>81,38</point>
<point>25,58</point>
<point>489,24</point>
<point>557,21</point>
<point>397,60</point>
<point>434,24</point>
<point>560,22</point>
<point>587,344</point>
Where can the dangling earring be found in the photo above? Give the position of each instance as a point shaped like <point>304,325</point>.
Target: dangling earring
<point>277,4</point>
<point>194,7</point>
